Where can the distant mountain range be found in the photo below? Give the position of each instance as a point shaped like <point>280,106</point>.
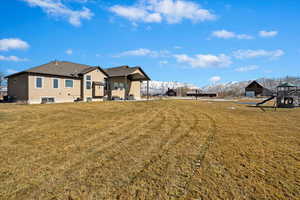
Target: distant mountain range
<point>161,87</point>
<point>233,88</point>
<point>238,88</point>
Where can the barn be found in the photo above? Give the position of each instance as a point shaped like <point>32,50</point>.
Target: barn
<point>255,89</point>
<point>171,92</point>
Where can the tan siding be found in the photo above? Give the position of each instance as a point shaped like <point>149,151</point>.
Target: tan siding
<point>96,76</point>
<point>18,87</point>
<point>61,94</point>
<point>135,89</point>
<point>117,92</point>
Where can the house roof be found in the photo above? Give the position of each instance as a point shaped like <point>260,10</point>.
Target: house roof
<point>286,85</point>
<point>254,83</point>
<point>125,71</point>
<point>61,68</point>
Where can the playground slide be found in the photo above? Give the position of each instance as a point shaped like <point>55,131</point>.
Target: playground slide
<point>266,100</point>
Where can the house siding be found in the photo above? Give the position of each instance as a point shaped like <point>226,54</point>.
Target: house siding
<point>120,93</point>
<point>18,87</point>
<point>61,94</point>
<point>135,90</point>
<point>96,76</point>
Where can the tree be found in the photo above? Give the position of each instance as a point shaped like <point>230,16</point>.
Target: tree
<point>2,80</point>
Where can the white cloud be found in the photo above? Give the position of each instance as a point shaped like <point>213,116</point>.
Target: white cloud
<point>215,79</point>
<point>247,68</point>
<point>12,58</point>
<point>204,60</point>
<point>244,54</point>
<point>58,9</point>
<point>12,43</point>
<point>268,33</point>
<point>11,71</point>
<point>177,47</point>
<point>144,52</point>
<point>69,51</point>
<point>156,11</point>
<point>163,62</point>
<point>224,34</point>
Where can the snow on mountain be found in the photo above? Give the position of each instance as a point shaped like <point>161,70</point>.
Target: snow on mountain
<point>235,88</point>
<point>160,87</point>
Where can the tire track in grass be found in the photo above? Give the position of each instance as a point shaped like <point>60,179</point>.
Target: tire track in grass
<point>100,138</point>
<point>77,165</point>
<point>163,146</point>
<point>157,176</point>
<point>161,159</point>
<point>108,172</point>
<point>198,162</point>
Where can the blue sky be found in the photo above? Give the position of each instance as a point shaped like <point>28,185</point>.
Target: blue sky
<point>199,42</point>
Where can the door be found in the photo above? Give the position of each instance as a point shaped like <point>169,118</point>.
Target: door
<point>98,91</point>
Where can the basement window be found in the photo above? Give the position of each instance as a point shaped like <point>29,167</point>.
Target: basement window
<point>48,100</point>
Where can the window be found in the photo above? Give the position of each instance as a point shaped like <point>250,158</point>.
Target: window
<point>48,100</point>
<point>39,82</point>
<point>105,84</point>
<point>88,85</point>
<point>88,82</point>
<point>55,83</point>
<point>116,85</point>
<point>69,83</point>
<point>121,86</point>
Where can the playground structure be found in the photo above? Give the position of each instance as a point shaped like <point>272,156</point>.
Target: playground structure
<point>287,96</point>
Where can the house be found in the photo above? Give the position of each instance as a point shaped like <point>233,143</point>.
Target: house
<point>125,82</point>
<point>171,92</point>
<point>61,81</point>
<point>255,89</point>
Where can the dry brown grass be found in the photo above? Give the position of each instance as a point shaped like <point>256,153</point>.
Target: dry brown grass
<point>148,150</point>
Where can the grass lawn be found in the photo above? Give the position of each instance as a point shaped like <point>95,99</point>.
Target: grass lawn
<point>169,149</point>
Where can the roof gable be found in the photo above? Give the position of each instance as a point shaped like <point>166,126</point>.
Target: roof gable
<point>125,71</point>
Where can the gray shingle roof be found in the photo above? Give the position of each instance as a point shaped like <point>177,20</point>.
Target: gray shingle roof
<point>124,71</point>
<point>61,68</point>
<point>120,71</point>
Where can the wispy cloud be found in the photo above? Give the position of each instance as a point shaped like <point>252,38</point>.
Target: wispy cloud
<point>215,79</point>
<point>204,60</point>
<point>11,71</point>
<point>163,62</point>
<point>247,68</point>
<point>244,54</point>
<point>12,58</point>
<point>69,51</point>
<point>157,11</point>
<point>144,52</point>
<point>58,9</point>
<point>268,33</point>
<point>177,47</point>
<point>12,43</point>
<point>224,34</point>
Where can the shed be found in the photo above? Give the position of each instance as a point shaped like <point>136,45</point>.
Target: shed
<point>256,89</point>
<point>171,92</point>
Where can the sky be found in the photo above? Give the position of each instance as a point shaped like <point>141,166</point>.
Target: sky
<point>200,42</point>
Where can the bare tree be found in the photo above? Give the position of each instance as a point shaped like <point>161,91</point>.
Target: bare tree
<point>1,78</point>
